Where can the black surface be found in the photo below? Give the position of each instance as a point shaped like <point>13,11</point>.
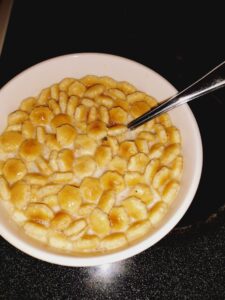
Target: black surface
<point>188,263</point>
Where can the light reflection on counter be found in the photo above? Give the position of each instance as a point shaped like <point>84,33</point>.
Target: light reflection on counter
<point>107,272</point>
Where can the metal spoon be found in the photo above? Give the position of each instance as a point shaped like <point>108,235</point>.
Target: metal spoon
<point>212,81</point>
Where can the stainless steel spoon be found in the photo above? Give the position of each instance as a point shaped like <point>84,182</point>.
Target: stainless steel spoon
<point>212,81</point>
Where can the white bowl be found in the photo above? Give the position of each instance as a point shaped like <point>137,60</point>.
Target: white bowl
<point>32,80</point>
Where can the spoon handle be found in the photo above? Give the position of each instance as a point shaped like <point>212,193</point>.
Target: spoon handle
<point>212,81</point>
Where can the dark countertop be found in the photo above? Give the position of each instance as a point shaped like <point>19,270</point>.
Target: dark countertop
<point>182,266</point>
<point>189,262</point>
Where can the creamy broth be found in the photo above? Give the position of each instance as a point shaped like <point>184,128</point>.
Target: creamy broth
<point>74,177</point>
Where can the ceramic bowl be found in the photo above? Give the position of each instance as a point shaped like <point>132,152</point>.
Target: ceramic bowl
<point>32,80</point>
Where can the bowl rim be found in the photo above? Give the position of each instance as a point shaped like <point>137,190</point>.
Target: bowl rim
<point>72,261</point>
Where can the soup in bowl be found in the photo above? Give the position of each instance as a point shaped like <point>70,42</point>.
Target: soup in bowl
<point>77,187</point>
